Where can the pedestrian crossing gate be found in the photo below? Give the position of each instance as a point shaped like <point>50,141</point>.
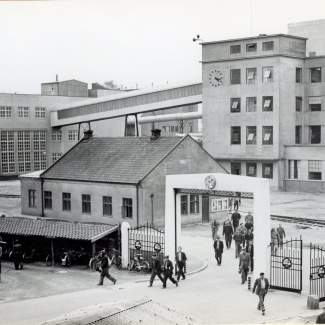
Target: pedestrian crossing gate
<point>286,266</point>
<point>317,272</point>
<point>146,240</point>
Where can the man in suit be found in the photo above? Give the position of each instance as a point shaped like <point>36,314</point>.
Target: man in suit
<point>218,249</point>
<point>235,217</point>
<point>214,227</point>
<point>238,238</point>
<point>168,272</point>
<point>156,269</point>
<point>262,286</point>
<point>180,263</point>
<point>244,264</point>
<point>227,232</point>
<point>250,251</point>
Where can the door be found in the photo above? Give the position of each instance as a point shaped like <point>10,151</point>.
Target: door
<point>205,208</point>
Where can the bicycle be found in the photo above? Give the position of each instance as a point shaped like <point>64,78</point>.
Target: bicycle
<point>95,263</point>
<point>138,264</point>
<point>117,259</point>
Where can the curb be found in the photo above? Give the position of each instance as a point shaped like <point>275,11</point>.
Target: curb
<point>190,273</point>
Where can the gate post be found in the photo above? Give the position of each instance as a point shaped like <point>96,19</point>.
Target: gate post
<point>125,243</point>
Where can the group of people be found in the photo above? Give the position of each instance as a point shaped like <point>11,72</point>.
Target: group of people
<point>277,237</point>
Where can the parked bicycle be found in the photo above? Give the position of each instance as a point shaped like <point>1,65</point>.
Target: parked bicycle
<point>138,264</point>
<point>116,258</point>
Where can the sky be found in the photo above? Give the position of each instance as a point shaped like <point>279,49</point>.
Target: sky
<point>132,42</point>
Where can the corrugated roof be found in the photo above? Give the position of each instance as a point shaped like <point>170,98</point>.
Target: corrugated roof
<point>112,160</point>
<point>53,228</point>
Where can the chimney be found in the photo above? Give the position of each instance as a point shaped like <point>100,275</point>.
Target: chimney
<point>88,134</point>
<point>57,78</point>
<point>155,134</point>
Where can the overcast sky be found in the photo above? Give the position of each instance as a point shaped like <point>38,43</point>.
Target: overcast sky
<point>128,41</point>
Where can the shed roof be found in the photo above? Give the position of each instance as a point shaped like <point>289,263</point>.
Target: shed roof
<point>55,228</point>
<point>112,160</point>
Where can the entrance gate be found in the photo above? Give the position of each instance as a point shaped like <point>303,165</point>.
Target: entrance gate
<point>146,240</point>
<point>286,266</point>
<point>317,272</point>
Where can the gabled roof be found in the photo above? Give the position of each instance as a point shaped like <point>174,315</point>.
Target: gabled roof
<point>112,160</point>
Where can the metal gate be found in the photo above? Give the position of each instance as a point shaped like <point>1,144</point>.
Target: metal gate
<point>146,240</point>
<point>317,272</point>
<point>286,266</point>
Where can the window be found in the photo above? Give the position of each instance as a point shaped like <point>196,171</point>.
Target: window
<point>315,104</point>
<point>176,128</point>
<point>5,112</point>
<point>194,204</point>
<point>251,75</point>
<point>298,75</point>
<point>183,204</point>
<point>219,205</point>
<point>298,134</point>
<point>49,87</point>
<point>267,133</point>
<point>47,200</point>
<point>315,134</point>
<point>251,104</point>
<point>235,49</point>
<point>66,201</point>
<point>251,169</point>
<point>39,112</point>
<point>267,103</point>
<point>127,208</point>
<point>8,152</point>
<point>235,76</point>
<point>251,47</point>
<point>23,112</point>
<point>190,129</point>
<point>315,169</point>
<point>56,156</point>
<point>235,135</point>
<point>172,128</point>
<point>268,46</point>
<point>39,150</point>
<point>107,205</point>
<point>267,170</point>
<point>235,168</point>
<point>267,74</point>
<point>251,135</point>
<point>86,203</point>
<point>24,151</point>
<point>57,135</point>
<point>315,75</point>
<point>234,105</point>
<point>294,169</point>
<point>31,198</point>
<point>167,129</point>
<point>298,104</point>
<point>73,135</point>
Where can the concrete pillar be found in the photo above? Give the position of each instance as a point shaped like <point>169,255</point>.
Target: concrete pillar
<point>313,302</point>
<point>125,243</point>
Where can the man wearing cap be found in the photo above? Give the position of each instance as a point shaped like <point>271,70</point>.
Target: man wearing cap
<point>244,264</point>
<point>105,264</point>
<point>262,286</point>
<point>168,272</point>
<point>180,263</point>
<point>218,248</point>
<point>156,269</point>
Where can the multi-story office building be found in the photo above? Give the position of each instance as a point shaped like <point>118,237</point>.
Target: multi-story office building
<point>263,104</point>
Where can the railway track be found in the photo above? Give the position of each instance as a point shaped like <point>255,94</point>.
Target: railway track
<point>301,221</point>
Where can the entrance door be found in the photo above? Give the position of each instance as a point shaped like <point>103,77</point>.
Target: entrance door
<point>205,208</point>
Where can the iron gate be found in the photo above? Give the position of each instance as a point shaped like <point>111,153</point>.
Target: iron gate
<point>286,266</point>
<point>146,240</point>
<point>317,272</point>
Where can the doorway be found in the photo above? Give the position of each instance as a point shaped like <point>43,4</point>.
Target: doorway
<point>205,208</point>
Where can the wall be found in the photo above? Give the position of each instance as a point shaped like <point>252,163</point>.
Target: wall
<point>26,184</point>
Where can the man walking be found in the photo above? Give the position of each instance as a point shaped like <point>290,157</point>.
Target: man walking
<point>250,251</point>
<point>282,235</point>
<point>248,237</point>
<point>214,227</point>
<point>235,217</point>
<point>105,264</point>
<point>156,269</point>
<point>168,272</point>
<point>244,264</point>
<point>180,263</point>
<point>227,232</point>
<point>262,286</point>
<point>275,240</point>
<point>218,248</point>
<point>238,238</point>
<point>17,255</point>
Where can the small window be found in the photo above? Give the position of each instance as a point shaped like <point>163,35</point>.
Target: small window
<point>167,128</point>
<point>251,135</point>
<point>315,104</point>
<point>127,208</point>
<point>86,203</point>
<point>73,135</point>
<point>235,105</point>
<point>57,135</point>
<point>315,169</point>
<point>294,169</point>
<point>194,204</point>
<point>315,134</point>
<point>251,75</point>
<point>235,49</point>
<point>298,104</point>
<point>235,135</point>
<point>235,168</point>
<point>183,204</point>
<point>251,47</point>
<point>267,74</point>
<point>40,112</point>
<point>66,201</point>
<point>172,129</point>
<point>107,206</point>
<point>298,134</point>
<point>235,76</point>
<point>47,200</point>
<point>251,104</point>
<point>268,46</point>
<point>267,133</point>
<point>315,75</point>
<point>267,104</point>
<point>190,129</point>
<point>23,112</point>
<point>298,75</point>
<point>267,170</point>
<point>32,198</point>
<point>164,128</point>
<point>251,169</point>
<point>176,128</point>
<point>5,112</point>
<point>56,156</point>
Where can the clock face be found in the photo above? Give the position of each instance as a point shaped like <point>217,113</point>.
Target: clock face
<point>210,182</point>
<point>215,78</point>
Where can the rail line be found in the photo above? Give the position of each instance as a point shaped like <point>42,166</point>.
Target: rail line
<point>298,220</point>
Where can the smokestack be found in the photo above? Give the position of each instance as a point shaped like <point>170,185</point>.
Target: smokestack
<point>155,134</point>
<point>88,134</point>
<point>57,78</point>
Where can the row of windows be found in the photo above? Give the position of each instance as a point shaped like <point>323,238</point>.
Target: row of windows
<point>251,135</point>
<point>194,204</point>
<point>72,135</point>
<point>23,112</point>
<point>314,169</point>
<point>251,104</point>
<point>251,169</point>
<point>252,47</point>
<point>175,128</point>
<point>107,203</point>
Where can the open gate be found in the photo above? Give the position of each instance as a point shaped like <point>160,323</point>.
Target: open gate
<point>286,266</point>
<point>317,272</point>
<point>146,240</point>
